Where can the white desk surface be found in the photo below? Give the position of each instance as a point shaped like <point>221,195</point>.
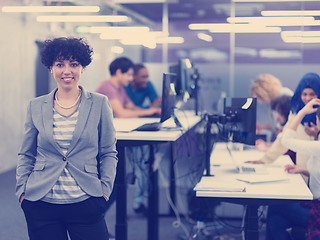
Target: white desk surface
<point>124,127</point>
<point>294,188</point>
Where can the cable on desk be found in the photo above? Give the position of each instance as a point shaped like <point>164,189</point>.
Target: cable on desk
<point>188,139</point>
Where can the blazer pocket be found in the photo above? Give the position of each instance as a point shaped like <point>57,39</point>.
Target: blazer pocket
<point>91,169</point>
<point>39,166</point>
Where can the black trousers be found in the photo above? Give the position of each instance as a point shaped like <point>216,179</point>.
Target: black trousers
<point>82,221</point>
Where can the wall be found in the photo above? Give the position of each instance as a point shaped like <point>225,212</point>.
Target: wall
<point>16,85</point>
<point>215,80</point>
<point>17,73</point>
<point>18,53</point>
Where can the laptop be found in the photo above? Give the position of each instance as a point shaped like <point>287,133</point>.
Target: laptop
<point>247,168</point>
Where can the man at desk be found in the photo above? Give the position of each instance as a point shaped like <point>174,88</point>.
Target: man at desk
<point>141,90</point>
<point>121,71</point>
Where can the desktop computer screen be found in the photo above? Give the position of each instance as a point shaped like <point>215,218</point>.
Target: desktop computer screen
<point>168,96</point>
<point>241,116</point>
<point>185,85</point>
<point>168,104</point>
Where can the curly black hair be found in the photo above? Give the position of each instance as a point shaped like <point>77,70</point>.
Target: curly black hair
<point>64,48</point>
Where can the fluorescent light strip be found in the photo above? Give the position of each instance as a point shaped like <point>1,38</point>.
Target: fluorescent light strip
<point>300,33</point>
<point>118,35</point>
<point>115,18</point>
<point>276,21</point>
<point>147,43</point>
<point>117,49</point>
<point>142,1</point>
<point>151,42</point>
<point>115,30</point>
<point>129,35</point>
<point>20,9</point>
<point>111,30</point>
<point>204,37</point>
<point>301,40</point>
<point>291,13</point>
<point>268,20</point>
<point>173,40</point>
<point>273,53</point>
<point>236,28</point>
<point>300,36</point>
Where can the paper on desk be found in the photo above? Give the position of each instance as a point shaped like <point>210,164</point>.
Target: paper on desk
<point>261,178</point>
<point>208,184</point>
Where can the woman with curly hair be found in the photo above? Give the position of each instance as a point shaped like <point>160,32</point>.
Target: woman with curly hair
<point>266,87</point>
<point>67,160</point>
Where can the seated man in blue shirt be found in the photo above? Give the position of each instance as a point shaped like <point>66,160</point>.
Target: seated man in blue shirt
<point>141,90</point>
<point>142,94</point>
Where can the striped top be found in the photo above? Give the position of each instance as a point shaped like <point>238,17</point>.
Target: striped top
<point>66,189</point>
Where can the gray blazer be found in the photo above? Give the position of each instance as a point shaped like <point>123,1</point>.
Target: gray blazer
<point>91,158</point>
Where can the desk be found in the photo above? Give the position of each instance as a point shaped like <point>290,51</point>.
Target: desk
<point>134,138</point>
<point>256,194</point>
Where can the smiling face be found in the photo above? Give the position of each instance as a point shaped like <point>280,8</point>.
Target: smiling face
<point>125,78</point>
<point>141,79</point>
<point>307,95</point>
<point>67,73</point>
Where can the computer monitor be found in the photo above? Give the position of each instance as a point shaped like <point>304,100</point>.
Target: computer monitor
<point>168,96</point>
<point>241,116</point>
<point>185,84</point>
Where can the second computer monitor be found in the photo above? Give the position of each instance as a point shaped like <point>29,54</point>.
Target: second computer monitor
<point>241,116</point>
<point>168,96</point>
<point>185,84</point>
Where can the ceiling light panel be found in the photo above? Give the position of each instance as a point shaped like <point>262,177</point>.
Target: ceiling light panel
<point>112,29</point>
<point>56,9</point>
<point>205,37</point>
<point>143,1</point>
<point>272,20</point>
<point>301,40</point>
<point>291,13</point>
<point>300,33</point>
<point>236,28</point>
<point>80,18</point>
<point>276,21</point>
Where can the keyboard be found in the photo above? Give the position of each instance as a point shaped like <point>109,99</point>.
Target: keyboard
<point>248,169</point>
<point>153,126</point>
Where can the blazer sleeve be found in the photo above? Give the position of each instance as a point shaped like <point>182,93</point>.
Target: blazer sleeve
<point>27,153</point>
<point>107,155</point>
<point>291,140</point>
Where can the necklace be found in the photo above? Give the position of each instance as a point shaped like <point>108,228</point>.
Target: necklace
<point>68,107</point>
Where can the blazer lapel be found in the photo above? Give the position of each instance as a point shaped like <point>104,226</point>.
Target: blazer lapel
<point>47,110</point>
<point>84,110</point>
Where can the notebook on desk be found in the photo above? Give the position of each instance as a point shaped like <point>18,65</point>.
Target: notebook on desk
<point>261,179</point>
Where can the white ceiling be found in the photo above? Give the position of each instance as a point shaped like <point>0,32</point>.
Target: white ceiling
<point>184,12</point>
